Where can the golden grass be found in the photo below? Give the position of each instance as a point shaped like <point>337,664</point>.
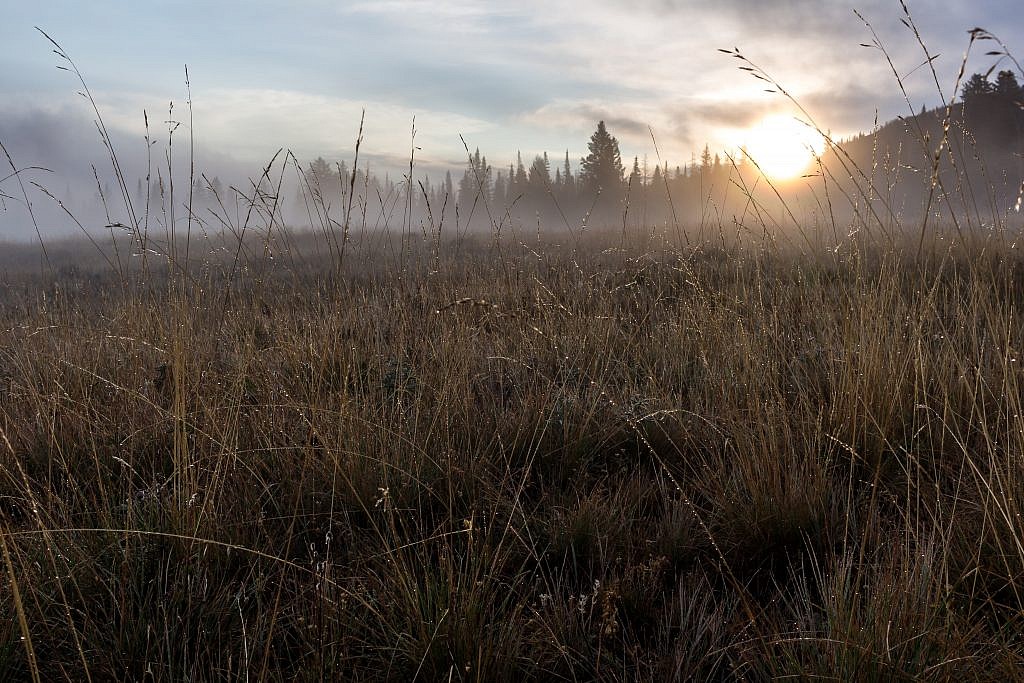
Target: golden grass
<point>638,454</point>
<point>808,463</point>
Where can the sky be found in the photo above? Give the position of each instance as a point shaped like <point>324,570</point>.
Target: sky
<point>507,76</point>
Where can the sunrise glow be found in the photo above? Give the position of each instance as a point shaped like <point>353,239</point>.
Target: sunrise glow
<point>783,147</point>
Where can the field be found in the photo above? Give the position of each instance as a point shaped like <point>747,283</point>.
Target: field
<point>546,444</point>
<point>604,456</point>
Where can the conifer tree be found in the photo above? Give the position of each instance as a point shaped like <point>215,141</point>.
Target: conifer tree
<point>500,190</point>
<point>476,181</point>
<point>634,175</point>
<point>448,188</point>
<point>520,177</point>
<point>705,159</point>
<point>977,86</point>
<point>511,192</point>
<point>198,191</point>
<point>540,175</point>
<point>1007,87</point>
<point>321,176</point>
<point>602,168</point>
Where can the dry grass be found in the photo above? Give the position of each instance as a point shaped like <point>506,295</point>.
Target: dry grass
<point>336,456</point>
<point>610,464</point>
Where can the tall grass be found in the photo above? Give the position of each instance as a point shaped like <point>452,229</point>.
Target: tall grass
<point>554,456</point>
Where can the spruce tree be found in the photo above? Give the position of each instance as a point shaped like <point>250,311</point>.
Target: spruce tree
<point>540,175</point>
<point>520,177</point>
<point>511,191</point>
<point>1008,88</point>
<point>977,86</point>
<point>467,190</point>
<point>500,190</point>
<point>705,159</point>
<point>198,190</point>
<point>476,181</point>
<point>321,175</point>
<point>634,175</point>
<point>449,192</point>
<point>602,168</point>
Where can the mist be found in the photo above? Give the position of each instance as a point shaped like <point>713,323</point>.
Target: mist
<point>452,144</point>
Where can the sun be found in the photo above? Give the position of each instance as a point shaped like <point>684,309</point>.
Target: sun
<point>782,146</point>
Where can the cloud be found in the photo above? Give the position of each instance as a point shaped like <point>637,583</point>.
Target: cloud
<point>66,142</point>
<point>585,115</point>
<point>437,10</point>
<point>251,124</point>
<point>665,50</point>
<point>529,75</point>
<point>730,114</point>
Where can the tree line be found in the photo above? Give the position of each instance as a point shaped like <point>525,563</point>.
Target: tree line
<point>994,110</point>
<point>599,187</point>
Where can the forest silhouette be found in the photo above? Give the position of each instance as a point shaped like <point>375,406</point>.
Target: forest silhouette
<point>986,124</point>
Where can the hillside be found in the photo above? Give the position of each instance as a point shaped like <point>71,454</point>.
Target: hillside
<point>980,162</point>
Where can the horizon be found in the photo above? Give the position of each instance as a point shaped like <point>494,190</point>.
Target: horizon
<point>502,80</point>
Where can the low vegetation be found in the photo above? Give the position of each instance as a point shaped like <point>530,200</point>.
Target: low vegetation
<point>753,450</point>
<point>606,459</point>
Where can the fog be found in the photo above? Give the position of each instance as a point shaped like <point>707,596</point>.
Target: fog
<point>66,168</point>
<point>79,177</point>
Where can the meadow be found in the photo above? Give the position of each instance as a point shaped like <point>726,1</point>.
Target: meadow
<point>605,453</point>
<point>610,460</point>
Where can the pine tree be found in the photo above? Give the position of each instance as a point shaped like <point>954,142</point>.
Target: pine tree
<point>511,192</point>
<point>540,174</point>
<point>481,174</point>
<point>467,191</point>
<point>448,201</point>
<point>1007,87</point>
<point>634,175</point>
<point>321,175</point>
<point>705,159</point>
<point>476,181</point>
<point>976,86</point>
<point>198,190</point>
<point>520,176</point>
<point>500,190</point>
<point>602,168</point>
<point>343,176</point>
